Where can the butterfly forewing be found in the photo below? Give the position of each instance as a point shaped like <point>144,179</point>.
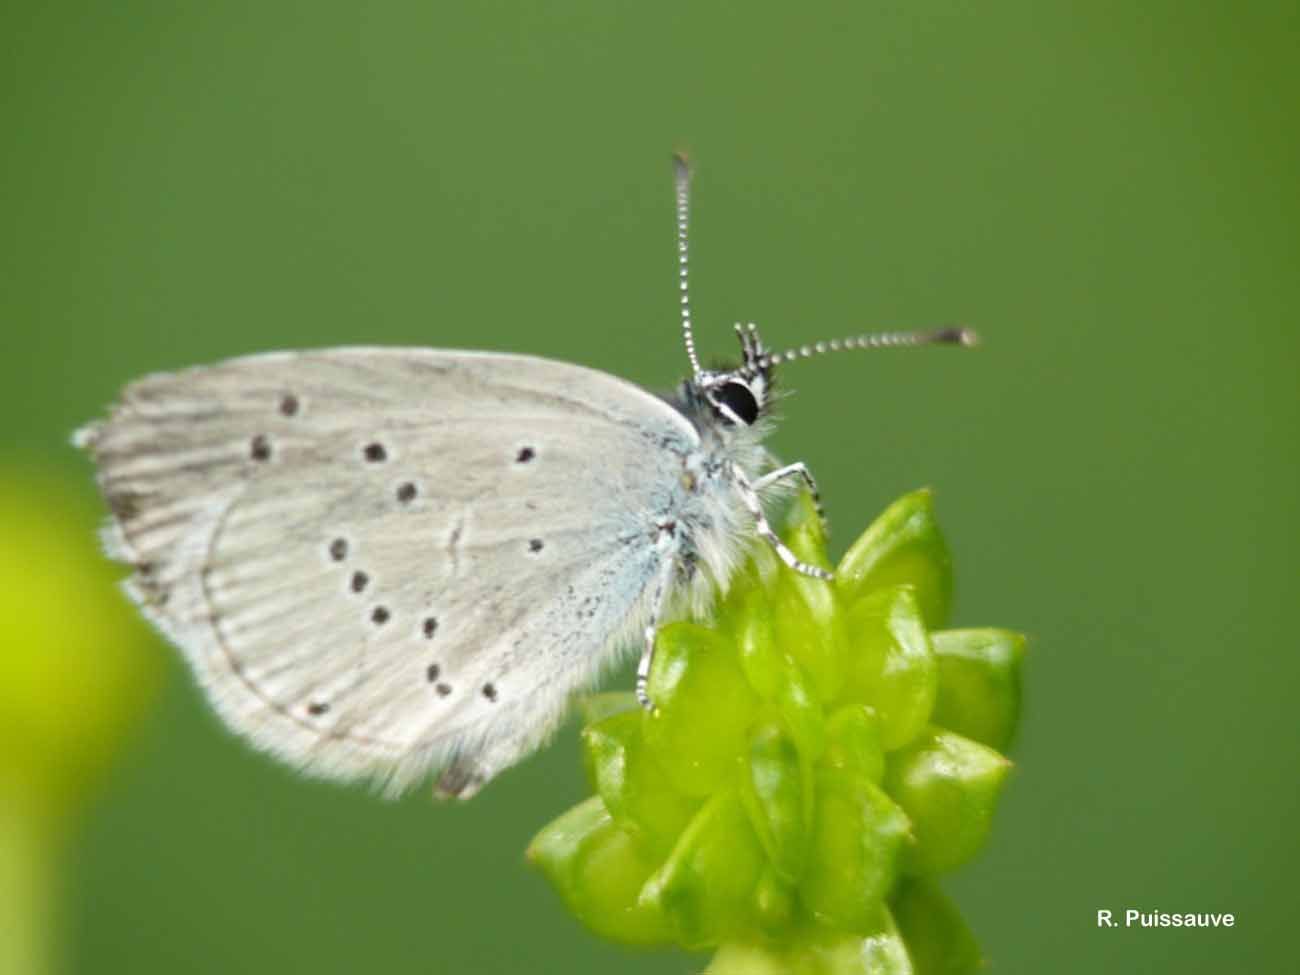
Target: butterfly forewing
<point>378,559</point>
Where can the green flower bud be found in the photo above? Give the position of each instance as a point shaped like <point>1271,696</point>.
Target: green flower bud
<point>774,675</point>
<point>892,667</point>
<point>600,871</point>
<point>814,755</point>
<point>774,903</point>
<point>809,624</point>
<point>979,683</point>
<point>706,886</point>
<point>696,683</point>
<point>903,546</point>
<point>883,952</point>
<point>857,836</point>
<point>937,938</point>
<point>634,788</point>
<point>948,785</point>
<point>777,793</point>
<point>854,743</point>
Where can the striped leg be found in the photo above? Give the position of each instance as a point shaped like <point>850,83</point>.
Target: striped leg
<point>651,631</point>
<point>749,496</point>
<point>800,469</point>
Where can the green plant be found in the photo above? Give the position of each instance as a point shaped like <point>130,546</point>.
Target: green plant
<point>817,755</point>
<point>77,670</point>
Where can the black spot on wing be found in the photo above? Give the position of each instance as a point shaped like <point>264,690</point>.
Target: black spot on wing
<point>125,505</point>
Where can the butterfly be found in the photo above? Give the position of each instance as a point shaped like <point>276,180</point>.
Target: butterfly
<point>385,562</point>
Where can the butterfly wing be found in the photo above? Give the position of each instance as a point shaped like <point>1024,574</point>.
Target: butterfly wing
<point>379,561</point>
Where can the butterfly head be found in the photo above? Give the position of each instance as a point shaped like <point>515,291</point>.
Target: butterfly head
<point>740,396</point>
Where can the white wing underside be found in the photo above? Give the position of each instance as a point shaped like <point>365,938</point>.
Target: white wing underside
<point>379,561</point>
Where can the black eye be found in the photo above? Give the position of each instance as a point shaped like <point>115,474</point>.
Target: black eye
<point>738,398</point>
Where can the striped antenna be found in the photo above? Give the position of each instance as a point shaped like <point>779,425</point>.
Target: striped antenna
<point>881,340</point>
<point>682,185</point>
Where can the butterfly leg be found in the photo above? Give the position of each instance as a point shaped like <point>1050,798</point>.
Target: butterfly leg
<point>657,603</point>
<point>797,469</point>
<point>749,496</point>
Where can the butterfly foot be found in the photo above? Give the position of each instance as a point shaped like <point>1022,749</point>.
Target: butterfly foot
<point>800,470</point>
<point>643,669</point>
<point>643,698</point>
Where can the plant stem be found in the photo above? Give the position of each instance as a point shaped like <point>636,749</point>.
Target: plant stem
<point>30,854</point>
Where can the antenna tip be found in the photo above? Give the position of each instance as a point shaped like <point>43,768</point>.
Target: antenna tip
<point>959,336</point>
<point>681,164</point>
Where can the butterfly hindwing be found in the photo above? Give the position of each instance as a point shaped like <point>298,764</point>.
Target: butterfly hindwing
<point>377,560</point>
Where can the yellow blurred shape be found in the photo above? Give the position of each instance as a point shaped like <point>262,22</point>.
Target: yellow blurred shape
<point>77,663</point>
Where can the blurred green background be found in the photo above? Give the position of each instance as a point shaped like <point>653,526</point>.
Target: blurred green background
<point>1106,190</point>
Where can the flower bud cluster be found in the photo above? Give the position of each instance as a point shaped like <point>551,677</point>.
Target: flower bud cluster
<point>817,755</point>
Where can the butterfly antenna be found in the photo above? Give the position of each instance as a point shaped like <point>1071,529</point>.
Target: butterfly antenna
<point>682,186</point>
<point>956,335</point>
